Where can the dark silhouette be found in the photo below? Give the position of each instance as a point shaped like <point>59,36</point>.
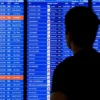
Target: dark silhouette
<point>77,77</point>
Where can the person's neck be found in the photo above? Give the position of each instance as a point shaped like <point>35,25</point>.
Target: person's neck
<point>77,49</point>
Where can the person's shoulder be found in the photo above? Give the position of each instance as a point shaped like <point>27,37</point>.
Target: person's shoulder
<point>63,68</point>
<point>97,57</point>
<point>65,63</point>
<point>98,54</point>
<point>95,54</point>
<point>68,61</point>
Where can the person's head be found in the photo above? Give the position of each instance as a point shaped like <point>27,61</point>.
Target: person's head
<point>81,25</point>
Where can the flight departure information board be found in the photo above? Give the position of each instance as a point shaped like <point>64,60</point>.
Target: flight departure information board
<point>96,9</point>
<point>11,49</point>
<point>46,45</point>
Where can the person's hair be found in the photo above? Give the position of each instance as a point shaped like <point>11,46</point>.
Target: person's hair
<point>82,23</point>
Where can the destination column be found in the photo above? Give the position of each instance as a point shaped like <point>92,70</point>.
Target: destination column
<point>37,51</point>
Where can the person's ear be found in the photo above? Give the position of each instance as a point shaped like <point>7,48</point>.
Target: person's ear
<point>68,36</point>
<point>68,39</point>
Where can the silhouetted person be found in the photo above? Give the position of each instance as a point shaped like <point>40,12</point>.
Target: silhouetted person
<point>77,77</point>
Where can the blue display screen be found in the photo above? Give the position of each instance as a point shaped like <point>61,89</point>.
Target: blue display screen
<point>46,43</point>
<point>11,49</point>
<point>96,9</point>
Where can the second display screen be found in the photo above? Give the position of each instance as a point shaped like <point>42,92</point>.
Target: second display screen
<point>46,43</point>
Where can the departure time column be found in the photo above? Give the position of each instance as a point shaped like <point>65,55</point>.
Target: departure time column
<point>66,52</point>
<point>55,35</point>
